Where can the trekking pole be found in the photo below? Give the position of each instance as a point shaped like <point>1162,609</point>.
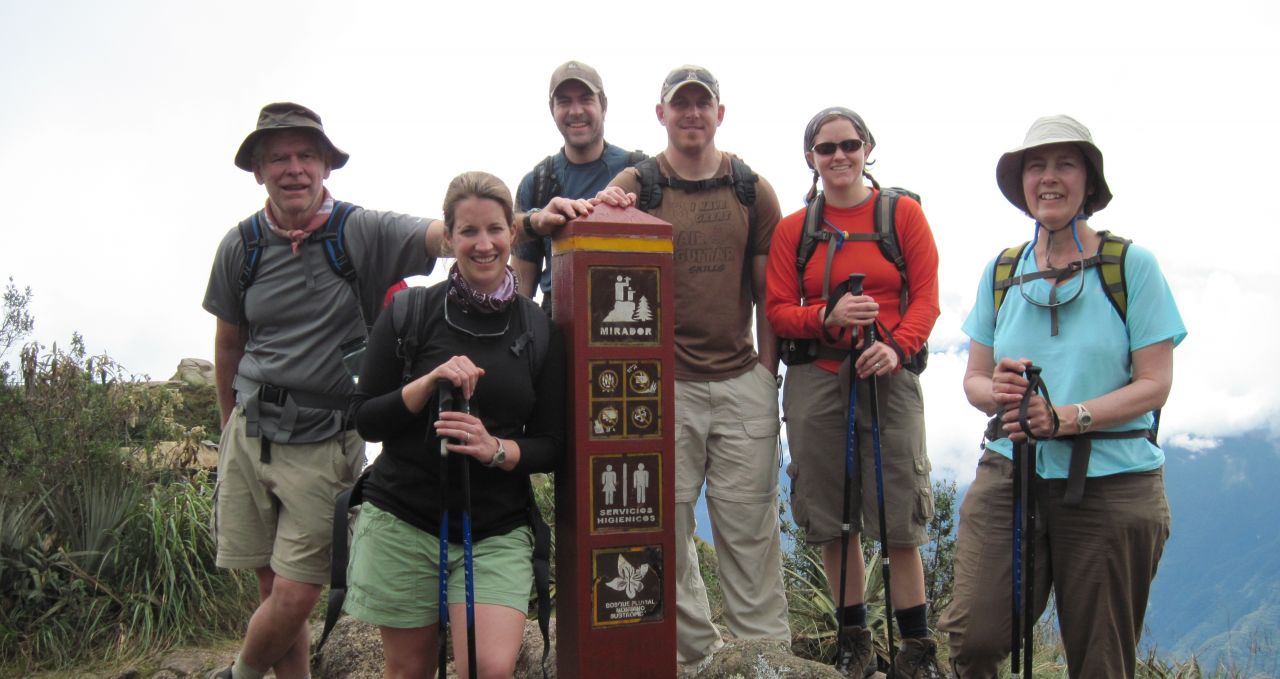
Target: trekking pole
<point>884,531</point>
<point>469,567</point>
<point>850,444</point>
<point>444,403</point>
<point>1022,626</point>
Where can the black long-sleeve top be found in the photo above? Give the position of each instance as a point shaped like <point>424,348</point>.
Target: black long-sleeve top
<point>509,399</point>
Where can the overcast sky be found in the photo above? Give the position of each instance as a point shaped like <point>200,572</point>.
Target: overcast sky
<point>119,122</point>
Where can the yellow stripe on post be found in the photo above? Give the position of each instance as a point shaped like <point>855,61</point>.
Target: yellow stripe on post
<point>609,244</point>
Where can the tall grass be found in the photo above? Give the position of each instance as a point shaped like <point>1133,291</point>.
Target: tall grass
<point>120,567</point>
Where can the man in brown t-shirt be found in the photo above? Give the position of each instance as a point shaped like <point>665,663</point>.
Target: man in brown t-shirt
<point>726,394</point>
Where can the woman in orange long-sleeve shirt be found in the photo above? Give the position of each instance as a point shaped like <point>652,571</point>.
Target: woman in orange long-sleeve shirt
<point>837,145</point>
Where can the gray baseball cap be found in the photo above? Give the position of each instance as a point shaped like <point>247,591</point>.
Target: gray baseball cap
<point>685,74</point>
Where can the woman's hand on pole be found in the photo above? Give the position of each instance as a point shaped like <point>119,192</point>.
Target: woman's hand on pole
<point>458,370</point>
<point>1039,417</point>
<point>850,311</point>
<point>877,360</point>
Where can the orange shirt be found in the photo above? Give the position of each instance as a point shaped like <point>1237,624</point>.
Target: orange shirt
<point>782,301</point>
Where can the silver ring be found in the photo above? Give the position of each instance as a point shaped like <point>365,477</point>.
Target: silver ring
<point>468,438</point>
<point>877,366</point>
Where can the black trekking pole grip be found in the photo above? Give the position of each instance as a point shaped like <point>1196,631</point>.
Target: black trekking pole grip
<point>855,283</point>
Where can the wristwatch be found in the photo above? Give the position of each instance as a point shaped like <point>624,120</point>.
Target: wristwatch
<point>1084,418</point>
<point>528,223</point>
<point>498,457</point>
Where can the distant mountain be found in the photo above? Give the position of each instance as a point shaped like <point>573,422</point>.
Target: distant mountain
<point>1217,594</point>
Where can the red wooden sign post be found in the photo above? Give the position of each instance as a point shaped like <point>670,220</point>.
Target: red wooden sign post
<point>615,549</point>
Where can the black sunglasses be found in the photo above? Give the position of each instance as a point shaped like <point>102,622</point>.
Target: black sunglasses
<point>828,148</point>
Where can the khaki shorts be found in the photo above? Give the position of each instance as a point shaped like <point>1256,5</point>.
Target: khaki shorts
<point>394,576</point>
<point>281,514</point>
<point>816,411</point>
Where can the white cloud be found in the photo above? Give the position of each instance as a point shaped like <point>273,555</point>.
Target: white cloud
<point>116,144</point>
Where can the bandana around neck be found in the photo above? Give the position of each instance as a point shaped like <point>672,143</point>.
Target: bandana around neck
<point>483,302</point>
<point>296,236</point>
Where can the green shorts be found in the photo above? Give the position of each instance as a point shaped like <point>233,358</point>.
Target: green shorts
<point>393,579</point>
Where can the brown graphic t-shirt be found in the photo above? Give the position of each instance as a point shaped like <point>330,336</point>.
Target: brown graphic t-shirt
<point>713,310</point>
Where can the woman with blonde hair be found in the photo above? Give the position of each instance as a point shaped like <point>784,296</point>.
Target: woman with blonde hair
<point>476,336</point>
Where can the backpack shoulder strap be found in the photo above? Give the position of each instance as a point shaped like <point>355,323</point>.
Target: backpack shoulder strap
<point>545,185</point>
<point>536,337</point>
<point>744,181</point>
<point>1002,274</point>
<point>651,183</point>
<point>886,224</point>
<point>253,235</point>
<point>407,315</point>
<point>810,233</point>
<point>635,157</point>
<point>333,238</point>
<point>1111,254</point>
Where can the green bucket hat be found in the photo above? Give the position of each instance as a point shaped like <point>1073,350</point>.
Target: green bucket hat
<point>286,115</point>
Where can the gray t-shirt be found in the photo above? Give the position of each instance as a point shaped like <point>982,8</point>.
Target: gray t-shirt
<point>299,313</point>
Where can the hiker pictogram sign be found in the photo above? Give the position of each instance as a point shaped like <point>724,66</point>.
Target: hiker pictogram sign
<point>627,495</point>
<point>625,400</point>
<point>624,305</point>
<point>626,585</point>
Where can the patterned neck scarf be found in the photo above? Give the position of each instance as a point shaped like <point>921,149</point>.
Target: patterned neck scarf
<point>481,302</point>
<point>296,236</point>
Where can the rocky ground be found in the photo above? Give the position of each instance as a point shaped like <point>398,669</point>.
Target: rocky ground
<point>354,651</point>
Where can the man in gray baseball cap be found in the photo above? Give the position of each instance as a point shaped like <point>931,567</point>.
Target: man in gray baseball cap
<point>722,215</point>
<point>294,288</point>
<point>582,167</point>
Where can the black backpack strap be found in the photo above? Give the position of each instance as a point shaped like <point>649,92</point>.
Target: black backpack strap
<point>651,183</point>
<point>352,497</point>
<point>253,235</point>
<point>635,157</point>
<point>887,229</point>
<point>545,184</point>
<point>744,181</point>
<point>810,234</point>
<point>407,307</point>
<point>537,332</point>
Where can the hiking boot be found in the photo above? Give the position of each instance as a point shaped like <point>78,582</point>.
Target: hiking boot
<point>917,659</point>
<point>855,658</point>
<point>224,673</point>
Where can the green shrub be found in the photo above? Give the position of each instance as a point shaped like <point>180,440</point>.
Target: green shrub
<point>105,552</point>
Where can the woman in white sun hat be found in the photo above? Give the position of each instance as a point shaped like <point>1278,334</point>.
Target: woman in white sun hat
<point>1095,314</point>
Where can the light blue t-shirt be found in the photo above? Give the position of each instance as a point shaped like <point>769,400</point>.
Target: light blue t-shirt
<point>1089,357</point>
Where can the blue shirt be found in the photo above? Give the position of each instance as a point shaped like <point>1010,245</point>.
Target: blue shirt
<point>1091,354</point>
<point>576,181</point>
